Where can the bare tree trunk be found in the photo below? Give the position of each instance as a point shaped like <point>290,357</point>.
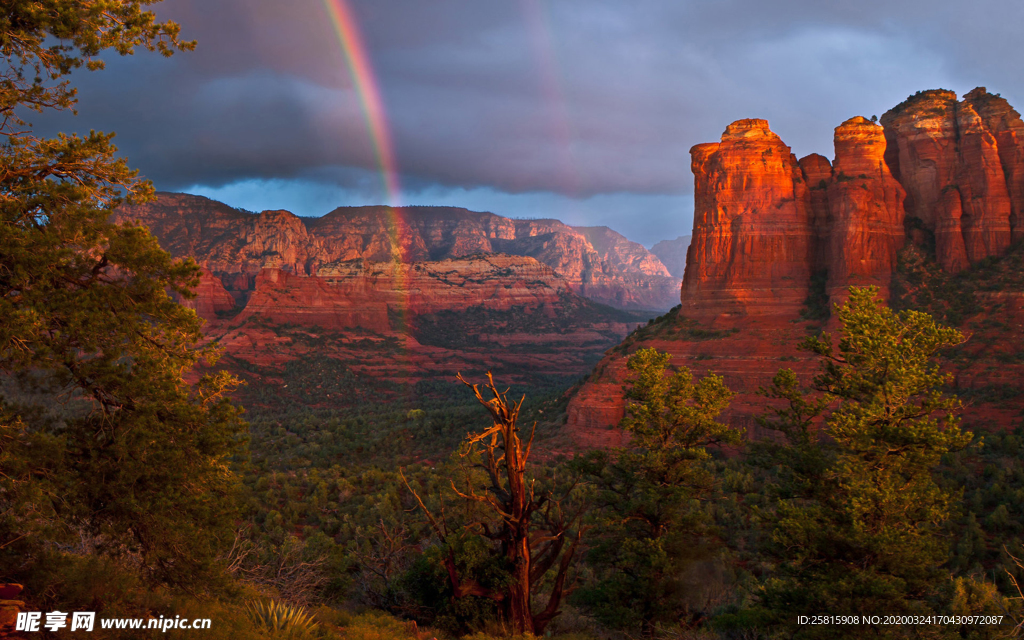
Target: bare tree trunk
<point>504,459</point>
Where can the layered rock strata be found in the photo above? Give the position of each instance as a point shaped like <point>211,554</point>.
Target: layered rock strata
<point>752,244</point>
<point>773,237</point>
<point>236,245</point>
<point>364,294</point>
<point>962,166</point>
<point>864,227</point>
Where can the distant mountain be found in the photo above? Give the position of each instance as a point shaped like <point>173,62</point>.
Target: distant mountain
<point>234,245</point>
<point>672,254</point>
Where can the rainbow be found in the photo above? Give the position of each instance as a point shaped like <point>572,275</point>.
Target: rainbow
<point>358,62</point>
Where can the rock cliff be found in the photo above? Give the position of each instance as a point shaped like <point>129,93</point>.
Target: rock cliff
<point>362,294</point>
<point>864,224</point>
<point>776,241</point>
<point>401,298</point>
<point>752,244</point>
<point>961,165</point>
<point>236,245</point>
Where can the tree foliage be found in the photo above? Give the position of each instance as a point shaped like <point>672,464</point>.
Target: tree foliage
<point>107,434</point>
<point>653,524</point>
<point>859,512</point>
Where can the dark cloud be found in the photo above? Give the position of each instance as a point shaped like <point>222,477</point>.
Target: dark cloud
<point>572,106</point>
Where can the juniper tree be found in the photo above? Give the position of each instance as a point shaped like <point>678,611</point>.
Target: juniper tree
<point>532,534</point>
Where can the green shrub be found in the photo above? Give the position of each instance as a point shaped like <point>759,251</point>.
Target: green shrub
<point>278,616</point>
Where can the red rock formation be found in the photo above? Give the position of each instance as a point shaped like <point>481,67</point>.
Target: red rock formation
<point>942,170</point>
<point>865,203</point>
<point>817,172</point>
<point>982,185</point>
<point>921,151</point>
<point>211,297</point>
<point>1005,124</point>
<point>751,251</point>
<point>359,293</point>
<point>285,298</point>
<point>949,236</point>
<point>936,144</point>
<point>236,245</point>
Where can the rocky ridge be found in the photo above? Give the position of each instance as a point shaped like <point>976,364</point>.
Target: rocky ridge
<point>236,245</point>
<point>777,240</point>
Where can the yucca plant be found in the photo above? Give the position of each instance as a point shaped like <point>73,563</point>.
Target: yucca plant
<point>278,616</point>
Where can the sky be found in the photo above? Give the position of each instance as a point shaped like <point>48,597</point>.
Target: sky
<point>580,110</point>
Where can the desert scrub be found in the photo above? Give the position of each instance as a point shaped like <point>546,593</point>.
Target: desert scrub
<point>282,619</point>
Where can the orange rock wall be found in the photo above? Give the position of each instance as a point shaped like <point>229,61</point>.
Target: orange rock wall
<point>752,245</point>
<point>972,149</point>
<point>936,171</point>
<point>864,231</point>
<point>360,293</point>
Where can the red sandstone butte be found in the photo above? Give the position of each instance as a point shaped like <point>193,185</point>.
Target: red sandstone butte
<point>983,195</point>
<point>1005,124</point>
<point>865,206</point>
<point>937,169</point>
<point>921,149</point>
<point>751,250</point>
<point>972,149</point>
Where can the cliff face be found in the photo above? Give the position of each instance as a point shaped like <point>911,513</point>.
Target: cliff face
<point>362,294</point>
<point>596,262</point>
<point>962,165</point>
<point>381,296</point>
<point>864,227</point>
<point>774,237</point>
<point>750,200</point>
<point>948,173</point>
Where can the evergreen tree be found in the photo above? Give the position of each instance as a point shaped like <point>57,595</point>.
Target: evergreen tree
<point>102,436</point>
<point>859,514</point>
<point>652,518</point>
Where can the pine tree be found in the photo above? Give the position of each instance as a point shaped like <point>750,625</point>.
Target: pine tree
<point>102,436</point>
<point>651,497</point>
<point>857,527</point>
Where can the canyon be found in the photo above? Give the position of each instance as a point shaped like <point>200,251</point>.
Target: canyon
<point>778,240</point>
<point>394,297</point>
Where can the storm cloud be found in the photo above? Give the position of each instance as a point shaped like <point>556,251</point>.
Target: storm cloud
<point>583,110</point>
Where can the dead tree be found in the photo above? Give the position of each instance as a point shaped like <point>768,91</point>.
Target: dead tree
<point>534,534</point>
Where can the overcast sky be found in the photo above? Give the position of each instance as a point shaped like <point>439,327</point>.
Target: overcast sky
<point>582,110</point>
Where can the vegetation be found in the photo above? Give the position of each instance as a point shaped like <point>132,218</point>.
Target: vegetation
<point>858,514</point>
<point>535,536</point>
<point>279,617</point>
<point>365,509</point>
<point>103,442</point>
<point>648,516</point>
